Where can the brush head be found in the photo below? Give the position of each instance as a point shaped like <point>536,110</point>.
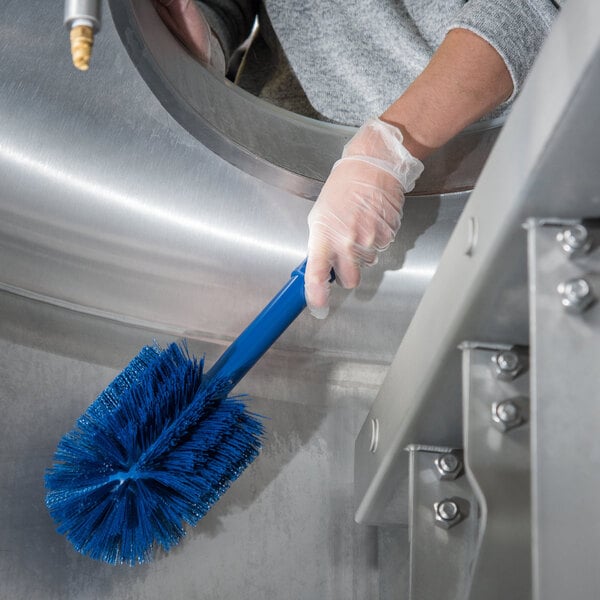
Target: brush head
<point>153,453</point>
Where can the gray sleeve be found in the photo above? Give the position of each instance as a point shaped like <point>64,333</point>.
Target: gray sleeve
<point>230,20</point>
<point>516,29</point>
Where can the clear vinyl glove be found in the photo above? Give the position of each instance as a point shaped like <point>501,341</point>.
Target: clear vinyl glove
<point>358,212</point>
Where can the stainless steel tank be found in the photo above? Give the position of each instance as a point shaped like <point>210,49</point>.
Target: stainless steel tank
<point>149,199</point>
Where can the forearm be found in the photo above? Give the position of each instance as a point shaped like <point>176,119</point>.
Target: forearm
<point>465,79</point>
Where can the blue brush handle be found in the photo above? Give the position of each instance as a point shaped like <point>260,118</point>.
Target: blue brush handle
<point>260,335</point>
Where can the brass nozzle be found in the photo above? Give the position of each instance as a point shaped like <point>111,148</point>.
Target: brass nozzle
<point>82,40</point>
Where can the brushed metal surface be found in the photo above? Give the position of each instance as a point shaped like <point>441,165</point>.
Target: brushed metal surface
<point>564,420</point>
<point>440,559</point>
<point>283,530</point>
<point>109,207</point>
<point>497,465</point>
<point>118,226</point>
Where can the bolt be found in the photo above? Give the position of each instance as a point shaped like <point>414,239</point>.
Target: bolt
<point>506,415</point>
<point>508,364</point>
<point>574,240</point>
<point>447,510</point>
<point>576,295</point>
<point>507,412</point>
<point>447,513</point>
<point>448,466</point>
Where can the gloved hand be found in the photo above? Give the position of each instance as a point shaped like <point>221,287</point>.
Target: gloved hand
<point>358,211</point>
<point>187,23</point>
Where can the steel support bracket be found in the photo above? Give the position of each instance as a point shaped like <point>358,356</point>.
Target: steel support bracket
<point>496,430</point>
<point>565,407</point>
<point>443,523</point>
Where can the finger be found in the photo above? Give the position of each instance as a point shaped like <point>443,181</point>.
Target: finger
<point>317,287</point>
<point>372,232</point>
<point>347,269</point>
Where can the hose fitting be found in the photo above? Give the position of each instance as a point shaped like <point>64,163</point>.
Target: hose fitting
<point>82,18</point>
<point>82,40</point>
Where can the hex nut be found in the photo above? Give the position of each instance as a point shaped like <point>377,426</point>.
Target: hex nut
<point>574,240</point>
<point>576,295</point>
<point>507,365</point>
<point>448,467</point>
<point>447,513</point>
<point>507,415</point>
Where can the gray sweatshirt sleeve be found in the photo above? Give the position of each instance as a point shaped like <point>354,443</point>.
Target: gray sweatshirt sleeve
<point>516,29</point>
<point>230,20</point>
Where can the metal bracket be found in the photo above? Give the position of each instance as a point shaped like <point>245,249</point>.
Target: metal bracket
<point>496,429</point>
<point>443,523</point>
<point>565,408</point>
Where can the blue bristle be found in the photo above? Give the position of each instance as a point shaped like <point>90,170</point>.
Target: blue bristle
<point>153,453</point>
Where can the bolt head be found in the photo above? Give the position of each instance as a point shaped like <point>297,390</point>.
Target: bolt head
<point>506,415</point>
<point>447,513</point>
<point>507,361</point>
<point>448,466</point>
<point>507,412</point>
<point>574,240</point>
<point>576,295</point>
<point>508,364</point>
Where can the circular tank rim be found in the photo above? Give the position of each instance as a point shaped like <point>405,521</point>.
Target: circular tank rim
<point>290,151</point>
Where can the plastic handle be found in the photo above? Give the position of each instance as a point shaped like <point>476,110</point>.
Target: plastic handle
<point>264,330</point>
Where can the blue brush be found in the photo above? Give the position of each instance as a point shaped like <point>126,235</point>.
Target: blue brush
<point>162,443</point>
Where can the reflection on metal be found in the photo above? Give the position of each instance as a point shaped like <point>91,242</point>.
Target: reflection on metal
<point>443,525</point>
<point>374,435</point>
<point>497,465</point>
<point>565,418</point>
<point>472,230</point>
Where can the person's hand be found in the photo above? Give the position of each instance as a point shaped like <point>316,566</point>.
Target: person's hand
<point>358,211</point>
<point>187,23</point>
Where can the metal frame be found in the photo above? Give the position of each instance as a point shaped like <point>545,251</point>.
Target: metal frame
<point>440,547</point>
<point>543,173</point>
<point>479,291</point>
<point>565,415</point>
<point>496,429</point>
